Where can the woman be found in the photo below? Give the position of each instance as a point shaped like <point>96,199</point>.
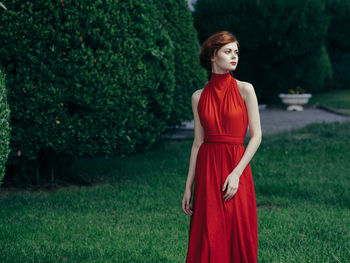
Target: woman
<point>223,225</point>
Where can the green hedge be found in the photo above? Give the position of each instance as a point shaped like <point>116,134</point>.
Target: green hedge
<point>189,76</point>
<point>5,129</point>
<point>281,41</point>
<point>97,83</point>
<point>95,78</point>
<point>338,42</point>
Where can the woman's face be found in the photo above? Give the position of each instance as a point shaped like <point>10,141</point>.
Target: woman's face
<point>226,59</point>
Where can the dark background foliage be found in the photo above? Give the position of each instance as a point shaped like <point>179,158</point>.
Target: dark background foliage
<point>282,42</point>
<point>338,42</point>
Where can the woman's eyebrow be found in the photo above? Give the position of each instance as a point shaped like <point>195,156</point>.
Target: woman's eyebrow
<point>231,49</point>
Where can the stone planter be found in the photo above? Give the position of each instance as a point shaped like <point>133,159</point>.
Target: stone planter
<point>295,101</point>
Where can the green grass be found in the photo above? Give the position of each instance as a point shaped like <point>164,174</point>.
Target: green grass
<point>338,101</point>
<point>134,213</point>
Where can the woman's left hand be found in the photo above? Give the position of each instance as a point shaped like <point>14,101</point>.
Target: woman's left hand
<point>231,182</point>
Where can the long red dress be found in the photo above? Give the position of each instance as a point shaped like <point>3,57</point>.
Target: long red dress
<point>222,231</point>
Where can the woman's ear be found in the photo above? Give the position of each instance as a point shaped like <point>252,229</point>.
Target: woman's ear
<point>213,58</point>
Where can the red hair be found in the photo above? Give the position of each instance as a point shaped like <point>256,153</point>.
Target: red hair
<point>212,45</point>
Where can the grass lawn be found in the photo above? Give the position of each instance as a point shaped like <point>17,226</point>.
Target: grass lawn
<point>338,101</point>
<point>134,213</point>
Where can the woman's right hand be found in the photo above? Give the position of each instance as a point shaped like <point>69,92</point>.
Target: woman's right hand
<point>186,201</point>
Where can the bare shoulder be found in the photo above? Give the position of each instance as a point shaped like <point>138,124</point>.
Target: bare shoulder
<point>245,88</point>
<point>196,95</point>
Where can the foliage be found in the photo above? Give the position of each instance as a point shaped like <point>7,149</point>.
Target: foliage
<point>297,90</point>
<point>338,42</point>
<point>189,76</point>
<point>101,83</point>
<point>95,78</point>
<point>5,128</point>
<point>281,41</point>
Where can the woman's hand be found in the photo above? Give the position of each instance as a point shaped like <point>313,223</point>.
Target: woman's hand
<point>231,183</point>
<point>186,201</point>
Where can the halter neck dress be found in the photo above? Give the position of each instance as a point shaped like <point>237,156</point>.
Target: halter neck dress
<point>222,231</point>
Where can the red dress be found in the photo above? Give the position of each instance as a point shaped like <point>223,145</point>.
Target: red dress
<point>222,231</point>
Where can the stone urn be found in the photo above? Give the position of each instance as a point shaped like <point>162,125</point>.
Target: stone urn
<point>295,101</point>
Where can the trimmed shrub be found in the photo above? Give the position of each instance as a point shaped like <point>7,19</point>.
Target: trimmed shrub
<point>99,78</point>
<point>4,126</point>
<point>189,76</point>
<point>280,40</point>
<point>84,79</point>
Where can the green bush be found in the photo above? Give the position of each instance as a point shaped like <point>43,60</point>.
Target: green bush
<point>86,79</point>
<point>189,76</point>
<point>338,42</point>
<point>313,77</point>
<point>97,83</point>
<point>4,126</point>
<point>96,78</point>
<point>280,40</point>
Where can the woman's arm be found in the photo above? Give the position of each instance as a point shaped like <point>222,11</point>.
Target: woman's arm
<point>198,139</point>
<point>232,180</point>
<point>254,127</point>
